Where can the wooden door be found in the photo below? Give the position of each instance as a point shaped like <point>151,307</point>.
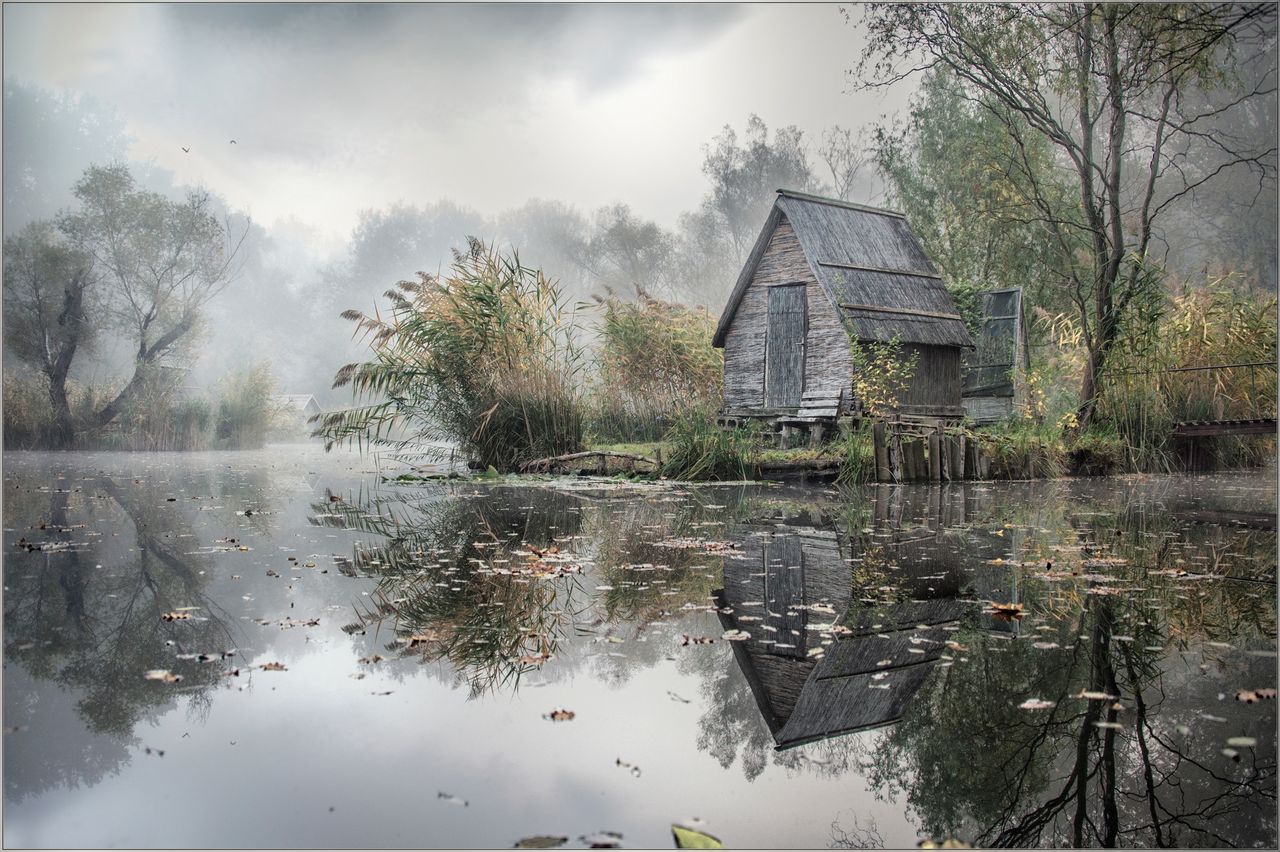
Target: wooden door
<point>784,347</point>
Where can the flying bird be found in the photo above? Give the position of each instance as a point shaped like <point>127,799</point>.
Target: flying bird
<point>186,150</point>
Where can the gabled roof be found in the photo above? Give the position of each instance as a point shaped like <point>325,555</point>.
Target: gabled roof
<point>870,265</point>
<point>295,401</point>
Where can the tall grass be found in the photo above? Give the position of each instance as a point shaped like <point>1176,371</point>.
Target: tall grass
<point>483,357</point>
<point>1146,387</point>
<point>654,362</point>
<point>246,411</point>
<point>856,450</point>
<point>700,450</point>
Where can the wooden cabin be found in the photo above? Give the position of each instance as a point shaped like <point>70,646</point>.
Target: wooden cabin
<point>825,274</point>
<point>995,371</point>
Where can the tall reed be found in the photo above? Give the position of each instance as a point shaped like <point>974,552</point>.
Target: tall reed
<point>654,361</point>
<point>483,357</point>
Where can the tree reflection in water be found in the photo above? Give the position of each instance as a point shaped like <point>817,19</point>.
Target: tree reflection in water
<point>1137,636</point>
<point>96,629</point>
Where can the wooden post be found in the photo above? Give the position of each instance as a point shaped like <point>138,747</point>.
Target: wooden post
<point>883,474</point>
<point>957,457</point>
<point>883,493</point>
<point>935,457</point>
<point>896,461</point>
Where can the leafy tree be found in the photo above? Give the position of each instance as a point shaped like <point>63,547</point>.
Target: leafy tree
<point>159,261</point>
<point>956,173</point>
<point>744,176</point>
<point>47,284</point>
<point>49,139</point>
<point>1106,86</point>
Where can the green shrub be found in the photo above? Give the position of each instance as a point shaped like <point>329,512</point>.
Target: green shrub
<point>857,453</point>
<point>246,411</point>
<point>1097,452</point>
<point>1025,450</point>
<point>655,361</point>
<point>701,450</point>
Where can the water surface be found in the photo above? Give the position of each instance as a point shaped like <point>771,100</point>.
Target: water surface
<point>355,663</point>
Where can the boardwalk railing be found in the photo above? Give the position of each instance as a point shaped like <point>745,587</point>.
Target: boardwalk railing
<point>1211,393</point>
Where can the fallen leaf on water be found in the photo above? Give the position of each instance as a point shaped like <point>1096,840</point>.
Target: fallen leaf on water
<point>560,715</point>
<point>1242,742</point>
<point>635,770</point>
<point>1253,696</point>
<point>675,697</point>
<point>686,639</point>
<point>949,843</point>
<point>542,841</point>
<point>162,674</point>
<point>735,636</point>
<point>372,660</point>
<point>273,667</point>
<point>601,840</point>
<point>1095,696</point>
<point>1036,704</point>
<point>1007,612</point>
<point>688,838</point>
<point>176,615</point>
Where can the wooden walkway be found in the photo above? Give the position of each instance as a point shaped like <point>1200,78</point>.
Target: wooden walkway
<point>1210,428</point>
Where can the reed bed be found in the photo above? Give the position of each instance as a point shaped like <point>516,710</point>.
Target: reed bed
<point>483,357</point>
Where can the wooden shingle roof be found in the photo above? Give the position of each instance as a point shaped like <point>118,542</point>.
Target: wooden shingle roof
<point>870,265</point>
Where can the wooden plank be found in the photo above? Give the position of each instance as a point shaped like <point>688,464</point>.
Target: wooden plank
<point>1211,428</point>
<point>882,452</point>
<point>914,273</point>
<point>914,312</point>
<point>784,346</point>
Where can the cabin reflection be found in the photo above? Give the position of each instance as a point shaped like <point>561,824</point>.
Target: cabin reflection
<point>893,587</point>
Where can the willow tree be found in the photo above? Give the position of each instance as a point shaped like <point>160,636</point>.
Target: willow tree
<point>1109,87</point>
<point>159,263</point>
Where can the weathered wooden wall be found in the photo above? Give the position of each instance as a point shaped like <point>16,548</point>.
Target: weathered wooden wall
<point>936,383</point>
<point>827,364</point>
<point>988,409</point>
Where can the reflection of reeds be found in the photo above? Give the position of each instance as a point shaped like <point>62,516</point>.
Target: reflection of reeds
<point>457,587</point>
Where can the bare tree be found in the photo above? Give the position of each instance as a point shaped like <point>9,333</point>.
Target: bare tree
<point>1108,85</point>
<point>161,262</point>
<point>845,157</point>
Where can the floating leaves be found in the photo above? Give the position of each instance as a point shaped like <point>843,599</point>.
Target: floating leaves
<point>177,615</point>
<point>688,838</point>
<point>1242,742</point>
<point>162,675</point>
<point>273,667</point>
<point>601,840</point>
<point>541,841</point>
<point>686,639</point>
<point>1037,704</point>
<point>1253,696</point>
<point>735,636</point>
<point>560,715</point>
<point>1006,611</point>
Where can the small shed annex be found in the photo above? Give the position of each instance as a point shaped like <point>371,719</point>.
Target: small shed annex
<point>996,371</point>
<point>824,273</point>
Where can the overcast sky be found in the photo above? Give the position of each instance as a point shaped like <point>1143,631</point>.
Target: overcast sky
<point>336,108</point>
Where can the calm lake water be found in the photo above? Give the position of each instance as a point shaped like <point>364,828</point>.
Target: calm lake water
<point>280,649</point>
